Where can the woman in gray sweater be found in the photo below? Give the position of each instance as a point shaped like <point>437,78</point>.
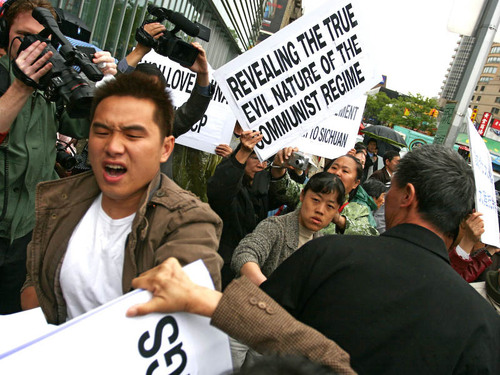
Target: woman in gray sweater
<point>278,237</point>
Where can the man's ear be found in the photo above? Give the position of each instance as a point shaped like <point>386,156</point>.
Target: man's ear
<point>302,194</point>
<point>167,148</point>
<point>409,197</point>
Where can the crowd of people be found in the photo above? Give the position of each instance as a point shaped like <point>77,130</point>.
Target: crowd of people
<point>360,267</point>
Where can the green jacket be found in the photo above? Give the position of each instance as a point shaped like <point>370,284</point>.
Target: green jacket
<point>363,198</point>
<point>31,153</point>
<point>192,169</point>
<point>288,191</point>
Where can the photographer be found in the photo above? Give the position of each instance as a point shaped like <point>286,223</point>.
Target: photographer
<point>238,192</point>
<point>28,127</point>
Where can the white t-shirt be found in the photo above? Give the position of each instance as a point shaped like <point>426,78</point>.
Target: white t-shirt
<point>462,253</point>
<point>92,269</point>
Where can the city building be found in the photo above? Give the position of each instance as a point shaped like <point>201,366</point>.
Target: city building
<point>456,69</point>
<point>486,98</point>
<point>485,101</point>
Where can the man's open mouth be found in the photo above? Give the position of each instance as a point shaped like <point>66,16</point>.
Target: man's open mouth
<point>115,170</point>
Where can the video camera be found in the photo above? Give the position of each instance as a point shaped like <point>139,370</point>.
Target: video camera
<point>169,44</point>
<point>62,81</point>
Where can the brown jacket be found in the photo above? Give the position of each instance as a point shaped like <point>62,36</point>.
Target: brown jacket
<point>249,315</point>
<point>170,222</point>
<point>381,175</point>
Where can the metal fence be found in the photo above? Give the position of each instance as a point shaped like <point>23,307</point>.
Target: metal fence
<point>234,24</point>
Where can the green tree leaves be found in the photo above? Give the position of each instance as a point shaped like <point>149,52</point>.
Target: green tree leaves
<point>415,112</point>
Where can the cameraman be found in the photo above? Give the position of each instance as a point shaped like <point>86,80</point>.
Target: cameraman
<point>28,127</point>
<point>191,111</point>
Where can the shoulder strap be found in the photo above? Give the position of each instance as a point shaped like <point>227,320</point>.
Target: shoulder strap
<point>4,79</point>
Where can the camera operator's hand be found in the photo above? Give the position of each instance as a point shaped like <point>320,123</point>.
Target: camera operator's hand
<point>280,160</point>
<point>13,100</point>
<point>109,65</point>
<point>200,66</point>
<point>30,66</point>
<point>155,29</point>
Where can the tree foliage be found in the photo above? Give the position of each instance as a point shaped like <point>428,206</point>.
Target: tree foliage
<point>410,111</point>
<point>374,104</point>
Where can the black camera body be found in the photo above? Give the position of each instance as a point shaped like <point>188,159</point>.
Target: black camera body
<point>169,44</point>
<point>177,50</point>
<point>67,161</point>
<point>62,81</point>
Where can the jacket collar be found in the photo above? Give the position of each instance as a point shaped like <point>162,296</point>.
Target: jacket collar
<point>421,237</point>
<point>363,197</point>
<point>56,193</point>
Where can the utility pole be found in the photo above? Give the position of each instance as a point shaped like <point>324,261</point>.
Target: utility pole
<point>484,33</point>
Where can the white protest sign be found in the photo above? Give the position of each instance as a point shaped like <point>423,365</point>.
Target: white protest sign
<point>486,201</point>
<point>337,134</point>
<point>285,85</point>
<point>19,328</point>
<point>216,125</point>
<point>105,341</point>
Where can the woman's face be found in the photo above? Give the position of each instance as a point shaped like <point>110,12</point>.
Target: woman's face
<point>346,169</point>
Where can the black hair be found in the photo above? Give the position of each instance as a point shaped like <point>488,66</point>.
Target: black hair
<point>389,155</point>
<point>141,86</point>
<point>360,146</point>
<point>285,365</point>
<point>152,70</point>
<point>326,183</point>
<point>374,187</point>
<point>444,185</point>
<point>359,171</point>
<point>359,167</point>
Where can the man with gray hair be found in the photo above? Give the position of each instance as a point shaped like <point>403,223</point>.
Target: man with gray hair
<point>392,302</point>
